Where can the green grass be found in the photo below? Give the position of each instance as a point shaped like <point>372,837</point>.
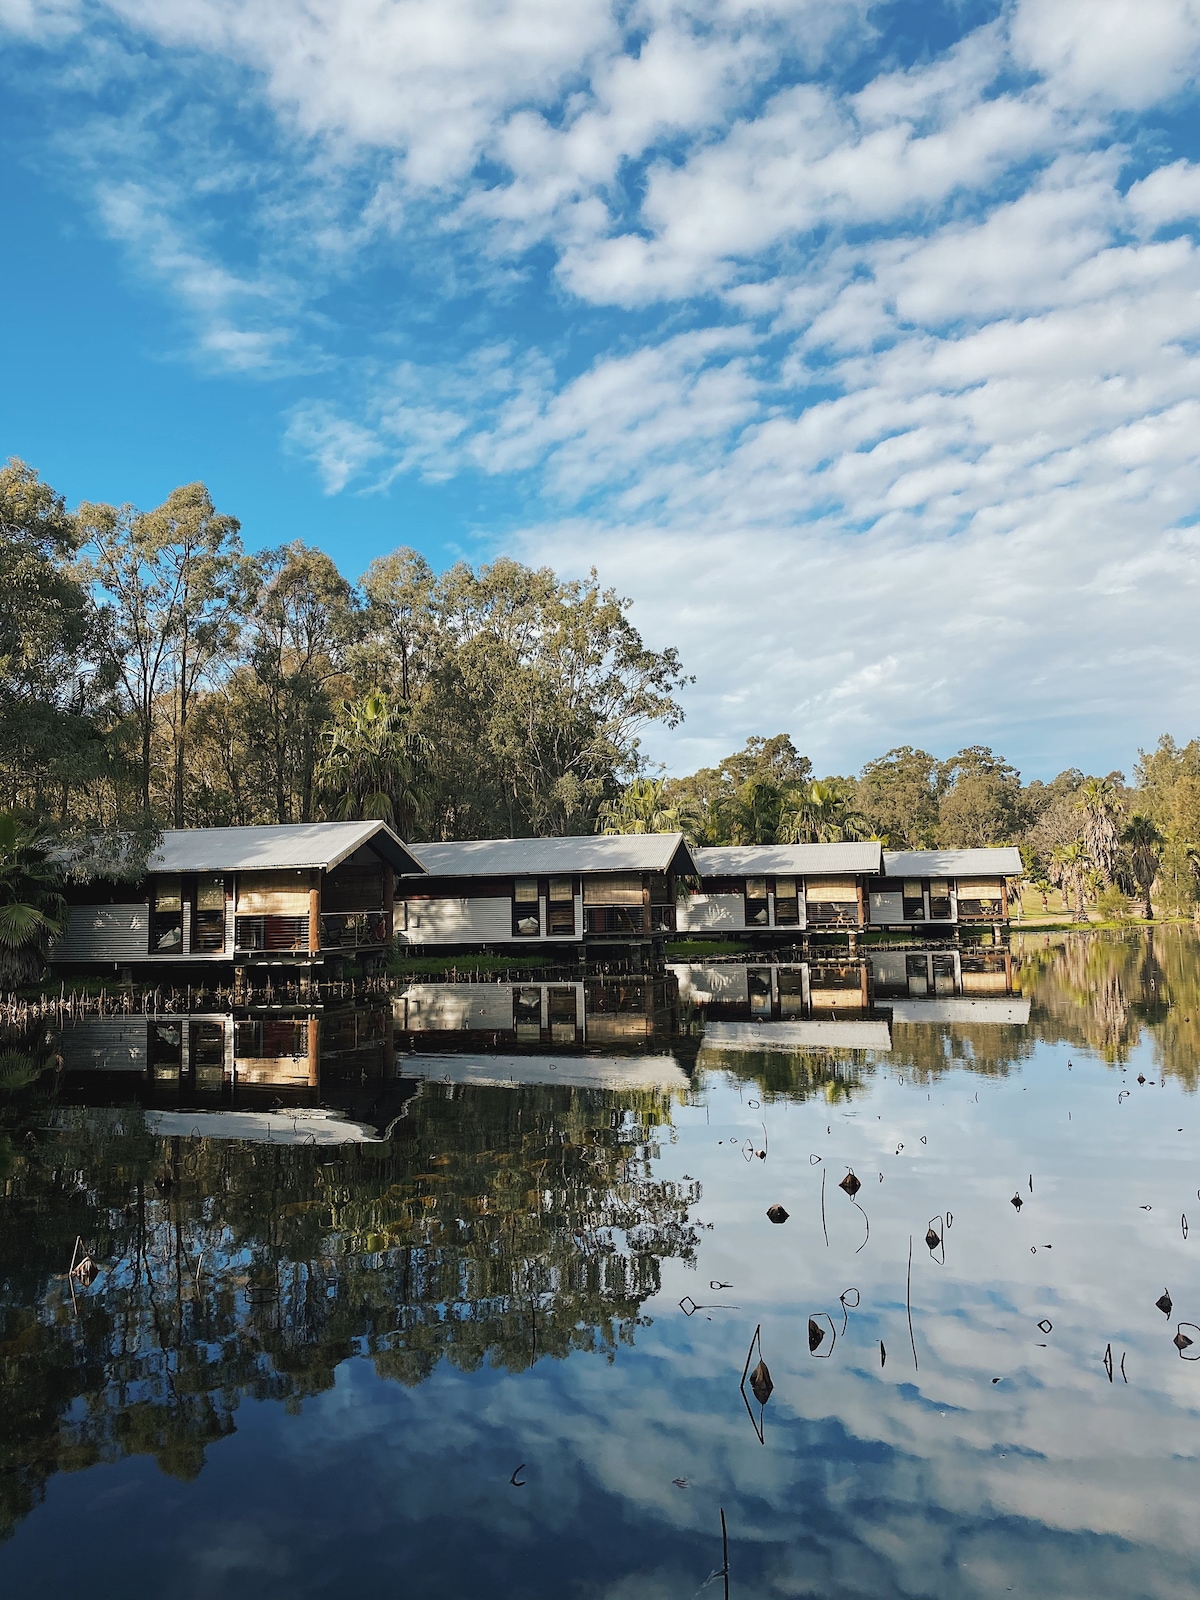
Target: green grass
<point>706,947</point>
<point>438,966</point>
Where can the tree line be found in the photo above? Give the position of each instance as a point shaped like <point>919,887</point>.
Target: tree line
<point>154,673</point>
<point>1096,838</point>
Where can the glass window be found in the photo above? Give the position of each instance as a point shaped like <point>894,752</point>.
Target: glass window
<point>525,891</point>
<point>785,888</point>
<point>561,889</point>
<point>756,888</point>
<point>167,895</point>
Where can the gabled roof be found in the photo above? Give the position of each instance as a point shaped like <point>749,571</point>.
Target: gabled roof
<point>999,861</point>
<point>736,860</point>
<point>290,845</point>
<point>502,858</point>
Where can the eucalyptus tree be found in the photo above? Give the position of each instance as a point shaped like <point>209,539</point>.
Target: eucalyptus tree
<point>52,655</point>
<point>899,793</point>
<point>301,627</point>
<point>981,803</point>
<point>203,550</point>
<point>170,582</point>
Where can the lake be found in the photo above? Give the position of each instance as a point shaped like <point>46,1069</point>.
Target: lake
<point>472,1289</point>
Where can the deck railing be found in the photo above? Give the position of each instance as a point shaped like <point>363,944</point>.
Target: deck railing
<point>264,932</point>
<point>343,929</point>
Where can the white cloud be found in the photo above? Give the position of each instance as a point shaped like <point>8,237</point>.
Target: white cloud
<point>1117,51</point>
<point>911,446</point>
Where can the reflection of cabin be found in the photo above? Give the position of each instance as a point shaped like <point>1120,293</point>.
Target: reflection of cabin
<point>931,889</point>
<point>300,893</point>
<point>616,889</point>
<point>738,991</point>
<point>203,1054</point>
<point>617,1011</point>
<point>787,887</point>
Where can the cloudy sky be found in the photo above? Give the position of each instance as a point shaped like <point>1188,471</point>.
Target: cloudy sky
<point>858,344</point>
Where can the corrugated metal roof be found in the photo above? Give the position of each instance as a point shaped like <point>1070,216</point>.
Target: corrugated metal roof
<point>297,844</point>
<point>618,852</point>
<point>1000,861</point>
<point>735,860</point>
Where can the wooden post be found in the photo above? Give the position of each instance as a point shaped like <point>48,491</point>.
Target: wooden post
<point>389,903</point>
<point>314,1050</point>
<point>314,920</point>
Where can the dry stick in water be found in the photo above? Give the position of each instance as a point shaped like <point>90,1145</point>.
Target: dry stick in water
<point>908,1307</point>
<point>724,1553</point>
<point>824,1229</point>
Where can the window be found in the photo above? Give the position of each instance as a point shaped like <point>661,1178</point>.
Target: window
<point>527,1015</point>
<point>756,903</point>
<point>914,900</point>
<point>526,917</point>
<point>787,903</point>
<point>561,906</point>
<point>939,898</point>
<point>614,903</point>
<point>166,925</point>
<point>208,915</point>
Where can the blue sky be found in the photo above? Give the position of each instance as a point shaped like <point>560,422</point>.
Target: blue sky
<point>858,344</point>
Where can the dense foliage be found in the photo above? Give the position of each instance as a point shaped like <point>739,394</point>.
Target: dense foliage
<point>154,672</point>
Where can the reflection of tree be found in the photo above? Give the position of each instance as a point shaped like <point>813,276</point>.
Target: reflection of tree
<point>1109,991</point>
<point>923,1051</point>
<point>499,1227</point>
<point>798,1076</point>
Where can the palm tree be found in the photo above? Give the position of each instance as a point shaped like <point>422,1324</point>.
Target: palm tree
<point>32,910</point>
<point>1042,885</point>
<point>368,767</point>
<point>642,807</point>
<point>1072,863</point>
<point>1144,843</point>
<point>821,813</point>
<point>1098,800</point>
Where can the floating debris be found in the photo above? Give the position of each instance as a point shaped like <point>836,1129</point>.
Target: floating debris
<point>513,1479</point>
<point>932,1237</point>
<point>1165,1303</point>
<point>850,1184</point>
<point>1141,1078</point>
<point>816,1335</point>
<point>777,1213</point>
<point>760,1382</point>
<point>1046,1325</point>
<point>1184,1341</point>
<point>680,1483</point>
<point>1108,1360</point>
<point>1017,1202</point>
<point>882,1354</point>
<point>849,1305</point>
<point>761,1374</point>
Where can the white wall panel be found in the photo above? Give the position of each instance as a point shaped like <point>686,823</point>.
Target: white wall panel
<point>704,912</point>
<point>105,933</point>
<point>459,921</point>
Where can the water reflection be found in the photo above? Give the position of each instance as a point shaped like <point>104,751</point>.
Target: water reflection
<point>338,1354</point>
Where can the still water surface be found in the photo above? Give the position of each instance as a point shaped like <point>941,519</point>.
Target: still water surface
<point>494,1345</point>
